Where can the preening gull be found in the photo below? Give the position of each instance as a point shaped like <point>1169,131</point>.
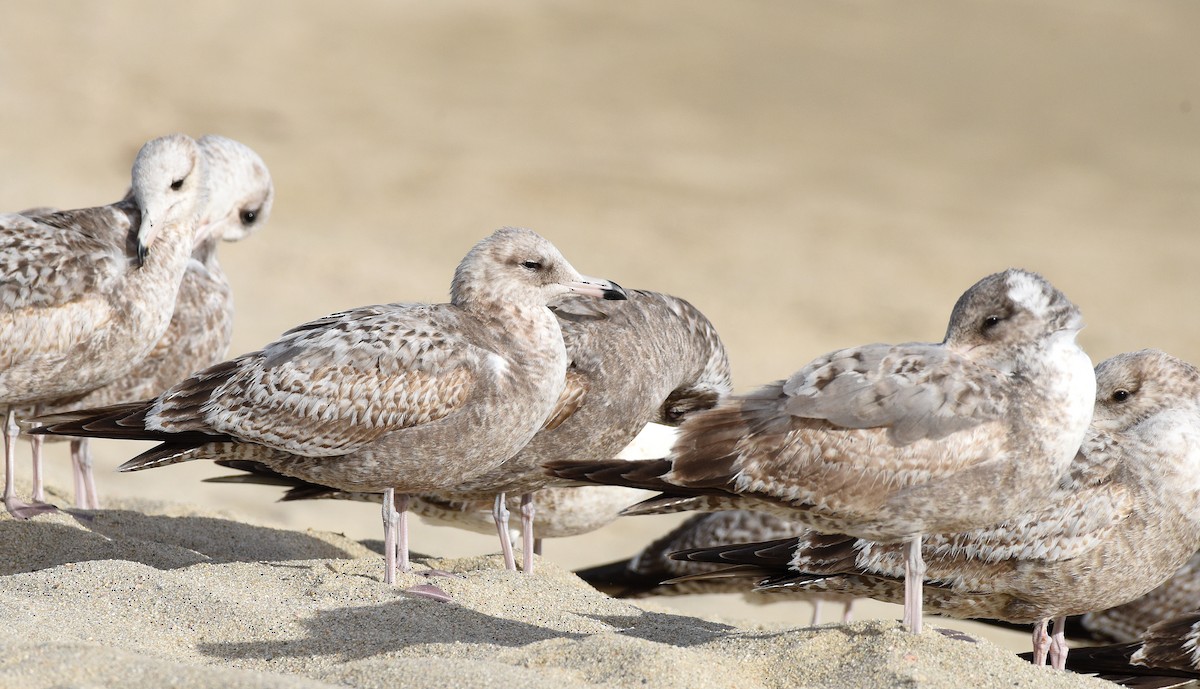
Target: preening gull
<point>240,195</point>
<point>393,398</point>
<point>1121,521</point>
<point>651,359</point>
<point>889,442</point>
<point>87,293</point>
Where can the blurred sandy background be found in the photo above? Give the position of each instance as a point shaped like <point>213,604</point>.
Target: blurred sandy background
<point>810,175</point>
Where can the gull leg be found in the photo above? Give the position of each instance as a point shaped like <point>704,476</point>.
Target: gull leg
<point>81,456</point>
<point>848,611</point>
<point>35,450</point>
<point>527,540</point>
<point>390,520</point>
<point>15,506</point>
<point>402,542</point>
<point>77,474</point>
<point>914,578</point>
<point>1041,643</point>
<point>1058,644</point>
<point>816,613</point>
<point>500,515</point>
<point>537,546</point>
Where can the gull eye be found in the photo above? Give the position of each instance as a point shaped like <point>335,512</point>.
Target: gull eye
<point>990,322</point>
<point>248,216</point>
<point>177,184</point>
<point>1120,395</point>
<point>532,265</point>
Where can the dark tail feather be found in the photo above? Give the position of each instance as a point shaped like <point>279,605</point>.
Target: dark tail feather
<point>646,473</point>
<point>1171,643</point>
<point>773,554</point>
<point>619,580</point>
<point>734,572</point>
<point>120,422</point>
<point>162,455</point>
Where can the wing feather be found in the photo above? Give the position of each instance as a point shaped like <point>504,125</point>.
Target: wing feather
<point>336,384</point>
<point>918,391</point>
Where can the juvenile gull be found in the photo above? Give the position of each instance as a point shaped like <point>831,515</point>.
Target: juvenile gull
<point>1123,520</point>
<point>87,293</point>
<point>888,442</point>
<point>654,358</point>
<point>407,398</point>
<point>240,195</point>
<point>653,572</point>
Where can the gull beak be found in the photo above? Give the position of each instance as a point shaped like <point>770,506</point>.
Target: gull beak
<point>595,287</point>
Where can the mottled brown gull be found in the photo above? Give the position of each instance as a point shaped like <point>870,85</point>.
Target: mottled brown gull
<point>1121,521</point>
<point>240,195</point>
<point>87,293</point>
<point>889,442</point>
<point>652,358</point>
<point>393,398</point>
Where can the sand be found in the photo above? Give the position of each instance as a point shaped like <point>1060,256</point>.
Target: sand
<point>151,594</point>
<point>811,175</point>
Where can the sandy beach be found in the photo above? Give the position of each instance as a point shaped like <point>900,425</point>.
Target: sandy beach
<point>810,175</point>
<point>157,594</point>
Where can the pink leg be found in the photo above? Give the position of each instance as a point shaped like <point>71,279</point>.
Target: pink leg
<point>914,579</point>
<point>390,526</point>
<point>848,611</point>
<point>816,613</point>
<point>1058,644</point>
<point>1041,643</point>
<point>527,541</point>
<point>500,515</point>
<point>81,458</point>
<point>77,474</point>
<point>35,450</point>
<point>402,542</point>
<point>15,506</point>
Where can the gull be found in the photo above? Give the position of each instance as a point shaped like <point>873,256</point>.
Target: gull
<point>637,366</point>
<point>87,293</point>
<point>240,196</point>
<point>1120,522</point>
<point>889,442</point>
<point>392,398</point>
